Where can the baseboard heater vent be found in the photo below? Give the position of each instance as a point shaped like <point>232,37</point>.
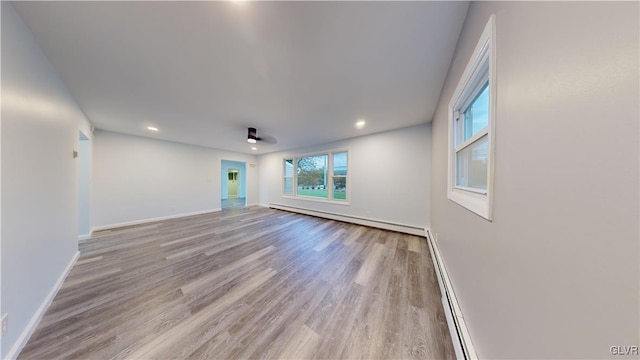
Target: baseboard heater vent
<point>457,327</point>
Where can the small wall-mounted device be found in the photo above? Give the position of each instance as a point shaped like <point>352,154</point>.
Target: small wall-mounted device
<point>75,154</point>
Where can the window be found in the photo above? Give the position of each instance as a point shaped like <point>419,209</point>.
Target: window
<point>288,177</point>
<point>340,176</point>
<point>471,124</point>
<point>321,176</point>
<point>311,176</point>
<point>471,145</point>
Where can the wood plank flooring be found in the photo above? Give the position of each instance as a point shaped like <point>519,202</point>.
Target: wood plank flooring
<point>233,203</point>
<point>247,283</point>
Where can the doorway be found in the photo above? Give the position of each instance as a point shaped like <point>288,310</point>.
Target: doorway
<point>84,187</point>
<point>233,184</point>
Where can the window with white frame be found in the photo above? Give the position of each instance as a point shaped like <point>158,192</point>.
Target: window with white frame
<point>287,182</point>
<point>339,183</point>
<point>318,176</point>
<point>471,129</point>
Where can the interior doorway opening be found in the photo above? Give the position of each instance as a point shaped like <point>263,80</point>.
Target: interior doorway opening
<point>234,184</point>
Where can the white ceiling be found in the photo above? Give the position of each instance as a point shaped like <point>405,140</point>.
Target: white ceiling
<point>202,72</point>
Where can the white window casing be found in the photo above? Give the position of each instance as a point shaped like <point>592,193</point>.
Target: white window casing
<point>480,71</point>
<point>329,175</point>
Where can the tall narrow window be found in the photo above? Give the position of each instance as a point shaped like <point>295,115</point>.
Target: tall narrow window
<point>288,177</point>
<point>340,176</point>
<point>471,124</point>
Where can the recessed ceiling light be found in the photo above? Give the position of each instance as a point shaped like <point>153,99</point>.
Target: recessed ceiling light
<point>360,124</point>
<point>152,128</point>
<point>254,148</point>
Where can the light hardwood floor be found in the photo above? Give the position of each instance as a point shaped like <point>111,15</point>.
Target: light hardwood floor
<point>247,283</point>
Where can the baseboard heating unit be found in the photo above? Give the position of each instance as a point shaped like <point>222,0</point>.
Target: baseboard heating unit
<point>457,327</point>
<point>386,225</point>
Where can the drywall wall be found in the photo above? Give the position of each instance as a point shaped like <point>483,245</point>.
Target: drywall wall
<point>40,125</point>
<point>388,177</point>
<point>555,275</point>
<point>137,178</point>
<point>84,186</point>
<point>242,174</point>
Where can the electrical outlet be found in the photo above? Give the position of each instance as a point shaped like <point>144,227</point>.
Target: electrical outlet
<point>5,323</point>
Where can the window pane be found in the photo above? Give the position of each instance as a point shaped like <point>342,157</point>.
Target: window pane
<point>312,176</point>
<point>288,186</point>
<point>340,163</point>
<point>339,188</point>
<point>288,177</point>
<point>476,116</point>
<point>288,167</point>
<point>471,169</point>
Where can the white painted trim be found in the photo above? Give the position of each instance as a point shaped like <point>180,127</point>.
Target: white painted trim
<point>457,327</point>
<point>84,237</point>
<point>144,221</point>
<point>407,229</point>
<point>37,316</point>
<point>484,52</point>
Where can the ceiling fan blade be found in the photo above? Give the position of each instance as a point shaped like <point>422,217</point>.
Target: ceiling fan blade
<point>268,139</point>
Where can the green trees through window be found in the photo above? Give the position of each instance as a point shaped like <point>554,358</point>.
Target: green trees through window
<point>322,176</point>
<point>312,176</point>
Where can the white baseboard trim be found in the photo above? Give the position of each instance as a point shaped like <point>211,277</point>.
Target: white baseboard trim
<point>144,221</point>
<point>457,327</point>
<point>386,225</point>
<point>37,316</point>
<point>254,204</point>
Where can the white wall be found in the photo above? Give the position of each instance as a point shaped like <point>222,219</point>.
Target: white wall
<point>224,178</point>
<point>137,178</point>
<point>84,186</point>
<point>388,175</point>
<point>555,275</point>
<point>40,125</point>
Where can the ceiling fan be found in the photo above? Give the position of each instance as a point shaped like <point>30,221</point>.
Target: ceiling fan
<point>253,138</point>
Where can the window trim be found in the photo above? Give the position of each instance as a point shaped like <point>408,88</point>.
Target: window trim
<point>480,69</point>
<point>330,176</point>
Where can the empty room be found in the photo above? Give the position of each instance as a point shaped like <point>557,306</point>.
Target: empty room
<point>320,180</point>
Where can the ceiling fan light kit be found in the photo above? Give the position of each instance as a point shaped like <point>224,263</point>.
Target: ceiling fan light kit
<point>252,138</point>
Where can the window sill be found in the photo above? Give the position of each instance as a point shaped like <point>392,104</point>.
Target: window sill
<point>474,202</point>
<point>308,198</point>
